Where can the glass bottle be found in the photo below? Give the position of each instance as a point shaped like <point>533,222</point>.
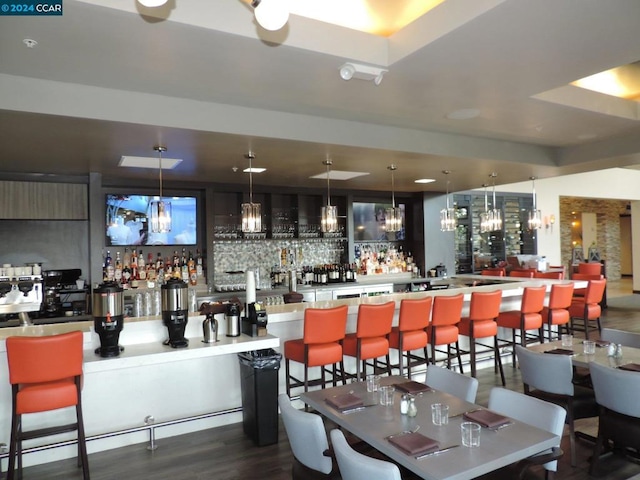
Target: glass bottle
<point>404,404</point>
<point>412,409</point>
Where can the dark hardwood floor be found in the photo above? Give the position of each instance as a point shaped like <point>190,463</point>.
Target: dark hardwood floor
<point>225,453</point>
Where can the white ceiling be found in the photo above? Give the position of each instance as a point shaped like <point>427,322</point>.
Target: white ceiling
<point>107,79</point>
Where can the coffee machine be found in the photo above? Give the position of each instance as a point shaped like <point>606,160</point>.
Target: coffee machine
<point>20,294</point>
<point>175,311</point>
<point>255,323</point>
<point>108,317</point>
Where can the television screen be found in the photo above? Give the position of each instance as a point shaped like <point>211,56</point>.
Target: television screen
<point>128,221</point>
<point>369,222</point>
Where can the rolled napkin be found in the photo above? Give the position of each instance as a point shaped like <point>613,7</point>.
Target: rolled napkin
<point>631,367</point>
<point>414,443</point>
<point>487,418</point>
<point>345,401</point>
<point>560,351</point>
<point>412,387</point>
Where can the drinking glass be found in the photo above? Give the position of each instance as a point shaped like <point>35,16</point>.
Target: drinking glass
<point>386,394</point>
<point>440,414</point>
<point>373,383</point>
<point>470,432</point>
<point>589,347</point>
<point>567,340</point>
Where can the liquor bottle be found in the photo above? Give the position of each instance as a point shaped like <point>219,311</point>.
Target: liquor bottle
<point>142,267</point>
<point>126,275</point>
<point>199,264</point>
<point>118,269</point>
<point>108,265</point>
<point>151,269</point>
<point>193,274</point>
<point>126,259</point>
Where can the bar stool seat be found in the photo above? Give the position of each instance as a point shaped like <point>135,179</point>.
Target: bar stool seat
<point>556,313</point>
<point>443,329</point>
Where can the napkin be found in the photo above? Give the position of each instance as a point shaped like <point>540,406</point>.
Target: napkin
<point>345,401</point>
<point>412,387</point>
<point>632,367</point>
<point>487,418</point>
<point>414,443</point>
<point>560,351</point>
<point>602,343</point>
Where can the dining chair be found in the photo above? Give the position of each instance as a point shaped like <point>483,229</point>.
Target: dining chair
<point>453,383</point>
<point>481,323</point>
<point>549,275</point>
<point>580,292</point>
<point>556,313</point>
<point>624,338</point>
<point>617,392</point>
<point>320,346</point>
<point>45,374</point>
<point>588,308</point>
<point>443,329</point>
<point>411,332</point>
<point>538,413</point>
<point>355,466</point>
<point>494,272</point>
<point>590,268</point>
<point>522,273</point>
<point>371,339</point>
<point>550,378</point>
<point>308,440</point>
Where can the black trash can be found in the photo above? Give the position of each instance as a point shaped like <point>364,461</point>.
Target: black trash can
<point>259,385</point>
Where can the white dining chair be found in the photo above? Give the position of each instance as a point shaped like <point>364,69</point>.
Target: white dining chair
<point>538,413</point>
<point>452,383</point>
<point>355,466</point>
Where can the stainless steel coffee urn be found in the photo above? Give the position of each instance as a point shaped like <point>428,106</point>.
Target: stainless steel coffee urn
<point>232,318</point>
<point>108,317</point>
<point>175,311</point>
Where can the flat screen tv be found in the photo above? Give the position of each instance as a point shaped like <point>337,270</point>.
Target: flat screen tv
<point>369,222</point>
<point>127,221</point>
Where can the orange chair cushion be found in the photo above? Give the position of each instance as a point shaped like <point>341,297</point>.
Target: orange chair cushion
<point>372,347</point>
<point>41,397</point>
<point>576,310</point>
<point>411,340</point>
<point>512,319</point>
<point>319,354</point>
<point>481,328</point>
<point>559,316</point>
<point>443,334</point>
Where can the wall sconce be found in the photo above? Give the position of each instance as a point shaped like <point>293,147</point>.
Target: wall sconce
<point>362,72</point>
<point>549,221</point>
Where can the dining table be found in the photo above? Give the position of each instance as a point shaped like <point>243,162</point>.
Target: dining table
<point>626,356</point>
<point>376,424</point>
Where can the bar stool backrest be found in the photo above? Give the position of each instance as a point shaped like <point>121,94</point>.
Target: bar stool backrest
<point>414,314</point>
<point>560,296</point>
<point>325,325</point>
<point>447,310</point>
<point>485,305</point>
<point>533,299</point>
<point>595,291</point>
<point>374,320</point>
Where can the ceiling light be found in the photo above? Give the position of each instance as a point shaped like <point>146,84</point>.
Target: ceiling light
<point>424,180</point>
<point>152,3</point>
<point>535,216</point>
<point>329,214</point>
<point>251,214</point>
<point>393,215</point>
<point>340,175</point>
<point>30,43</point>
<point>148,162</point>
<point>494,220</point>
<point>254,170</point>
<point>271,14</point>
<point>447,214</point>
<point>362,72</point>
<point>463,114</point>
<point>160,210</point>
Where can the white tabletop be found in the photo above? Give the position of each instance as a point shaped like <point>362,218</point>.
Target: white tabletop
<point>373,424</point>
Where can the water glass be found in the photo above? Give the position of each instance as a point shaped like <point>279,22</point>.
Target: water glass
<point>386,394</point>
<point>373,383</point>
<point>567,340</point>
<point>589,347</point>
<point>440,414</point>
<point>470,434</point>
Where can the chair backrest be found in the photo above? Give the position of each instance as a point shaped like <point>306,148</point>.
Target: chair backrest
<point>586,276</point>
<point>530,410</point>
<point>616,389</point>
<point>485,305</point>
<point>374,319</point>
<point>522,273</point>
<point>355,466</point>
<point>44,359</point>
<point>452,383</point>
<point>626,339</point>
<point>307,436</point>
<point>414,314</point>
<point>447,309</point>
<point>533,299</point>
<point>495,272</point>
<point>561,295</point>
<point>325,325</point>
<point>546,372</point>
<point>591,268</point>
<point>595,291</point>
<point>552,275</point>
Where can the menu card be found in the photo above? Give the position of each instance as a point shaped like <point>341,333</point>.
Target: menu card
<point>345,401</point>
<point>414,443</point>
<point>631,367</point>
<point>412,387</point>
<point>561,351</point>
<point>487,418</point>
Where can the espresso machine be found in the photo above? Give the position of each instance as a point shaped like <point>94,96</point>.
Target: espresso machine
<point>108,317</point>
<point>175,311</point>
<point>255,323</point>
<point>20,294</point>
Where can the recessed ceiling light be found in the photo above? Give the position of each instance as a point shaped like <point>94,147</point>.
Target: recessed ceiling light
<point>254,170</point>
<point>148,162</point>
<point>463,114</point>
<point>424,180</point>
<point>339,175</point>
<point>30,43</point>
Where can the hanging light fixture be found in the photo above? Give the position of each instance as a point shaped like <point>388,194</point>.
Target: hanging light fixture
<point>251,215</point>
<point>160,210</point>
<point>271,14</point>
<point>495,214</point>
<point>393,215</point>
<point>152,3</point>
<point>484,216</point>
<point>535,216</point>
<point>329,220</point>
<point>448,214</point>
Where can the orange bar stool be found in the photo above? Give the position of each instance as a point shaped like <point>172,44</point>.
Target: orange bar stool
<point>321,345</point>
<point>522,273</point>
<point>556,312</point>
<point>481,323</point>
<point>411,332</point>
<point>529,317</point>
<point>550,275</point>
<point>588,308</point>
<point>495,272</point>
<point>45,374</point>
<point>371,340</point>
<point>443,329</point>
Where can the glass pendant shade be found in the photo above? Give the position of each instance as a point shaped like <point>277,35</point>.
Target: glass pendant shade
<point>494,220</point>
<point>447,214</point>
<point>329,220</point>
<point>393,214</point>
<point>535,215</point>
<point>251,218</point>
<point>484,223</point>
<point>160,209</point>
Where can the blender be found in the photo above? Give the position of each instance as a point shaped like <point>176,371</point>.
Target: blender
<point>108,317</point>
<point>175,311</point>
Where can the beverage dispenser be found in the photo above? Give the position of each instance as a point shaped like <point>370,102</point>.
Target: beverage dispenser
<point>108,317</point>
<point>175,311</point>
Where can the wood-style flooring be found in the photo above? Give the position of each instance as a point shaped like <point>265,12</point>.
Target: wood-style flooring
<point>225,453</point>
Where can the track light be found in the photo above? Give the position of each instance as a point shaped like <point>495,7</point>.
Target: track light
<point>363,72</point>
<point>271,14</point>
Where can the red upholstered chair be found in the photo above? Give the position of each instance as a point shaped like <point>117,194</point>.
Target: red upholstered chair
<point>522,273</point>
<point>481,323</point>
<point>527,318</point>
<point>588,308</point>
<point>371,339</point>
<point>556,313</point>
<point>45,374</point>
<point>411,332</point>
<point>550,275</point>
<point>443,329</point>
<point>580,292</point>
<point>591,268</point>
<point>495,272</point>
<point>321,345</point>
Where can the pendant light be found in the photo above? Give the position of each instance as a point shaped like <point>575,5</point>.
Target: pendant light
<point>393,215</point>
<point>329,220</point>
<point>152,3</point>
<point>535,216</point>
<point>251,215</point>
<point>448,214</point>
<point>495,214</point>
<point>271,14</point>
<point>484,216</point>
<point>160,210</point>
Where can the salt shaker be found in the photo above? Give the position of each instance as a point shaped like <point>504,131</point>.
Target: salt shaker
<point>611,350</point>
<point>412,409</point>
<point>404,404</point>
<point>619,351</point>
